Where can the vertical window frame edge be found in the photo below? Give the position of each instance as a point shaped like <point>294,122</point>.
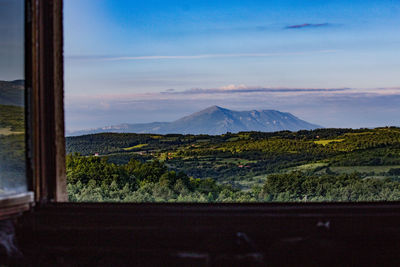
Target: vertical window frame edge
<point>13,205</point>
<point>47,139</point>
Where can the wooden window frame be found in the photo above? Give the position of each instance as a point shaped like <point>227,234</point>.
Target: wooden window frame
<point>164,233</point>
<point>46,109</point>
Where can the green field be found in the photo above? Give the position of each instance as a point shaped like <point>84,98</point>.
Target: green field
<point>364,169</point>
<point>325,142</point>
<point>308,167</point>
<point>12,117</point>
<point>134,147</point>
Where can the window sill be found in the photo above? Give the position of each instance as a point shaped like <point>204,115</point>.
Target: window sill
<point>279,234</point>
<point>14,205</point>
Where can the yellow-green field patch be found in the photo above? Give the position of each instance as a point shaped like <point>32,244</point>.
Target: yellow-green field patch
<point>325,142</point>
<point>135,147</point>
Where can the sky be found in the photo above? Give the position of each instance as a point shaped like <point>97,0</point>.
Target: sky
<point>333,63</point>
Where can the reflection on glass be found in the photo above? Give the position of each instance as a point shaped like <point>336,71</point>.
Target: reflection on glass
<point>12,121</point>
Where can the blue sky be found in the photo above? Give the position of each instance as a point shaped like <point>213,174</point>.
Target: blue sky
<point>139,61</point>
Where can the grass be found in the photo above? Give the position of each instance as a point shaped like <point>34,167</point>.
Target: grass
<point>169,139</point>
<point>8,131</point>
<point>202,140</point>
<point>248,183</point>
<point>235,161</point>
<point>308,166</point>
<point>135,147</point>
<point>362,133</point>
<point>325,142</point>
<point>12,117</point>
<point>344,169</point>
<point>363,169</point>
<point>244,136</point>
<point>376,177</point>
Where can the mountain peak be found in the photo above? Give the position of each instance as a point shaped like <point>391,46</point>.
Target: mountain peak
<point>210,110</point>
<point>213,108</point>
<point>216,120</point>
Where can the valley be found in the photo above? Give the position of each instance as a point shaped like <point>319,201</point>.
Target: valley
<point>246,161</point>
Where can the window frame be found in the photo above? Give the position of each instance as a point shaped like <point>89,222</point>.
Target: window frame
<point>160,230</point>
<point>46,112</point>
<point>13,205</point>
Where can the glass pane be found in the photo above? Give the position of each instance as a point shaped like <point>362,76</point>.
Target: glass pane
<point>232,101</point>
<point>12,120</point>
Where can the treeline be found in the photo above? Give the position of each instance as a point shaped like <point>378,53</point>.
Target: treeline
<point>389,155</point>
<point>297,186</point>
<point>95,179</point>
<point>106,143</point>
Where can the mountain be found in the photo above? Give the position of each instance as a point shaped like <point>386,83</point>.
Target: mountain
<point>12,93</point>
<point>213,121</point>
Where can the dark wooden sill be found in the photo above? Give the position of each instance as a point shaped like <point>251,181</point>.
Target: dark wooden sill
<point>13,205</point>
<point>102,234</point>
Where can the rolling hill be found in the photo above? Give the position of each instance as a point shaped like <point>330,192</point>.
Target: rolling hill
<point>12,93</point>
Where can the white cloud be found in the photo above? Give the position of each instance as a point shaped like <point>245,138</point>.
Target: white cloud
<point>234,87</point>
<point>202,56</point>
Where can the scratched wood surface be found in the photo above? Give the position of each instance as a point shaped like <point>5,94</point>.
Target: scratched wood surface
<point>363,234</point>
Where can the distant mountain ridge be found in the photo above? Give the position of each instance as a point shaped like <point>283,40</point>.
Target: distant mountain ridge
<point>12,93</point>
<point>215,120</point>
